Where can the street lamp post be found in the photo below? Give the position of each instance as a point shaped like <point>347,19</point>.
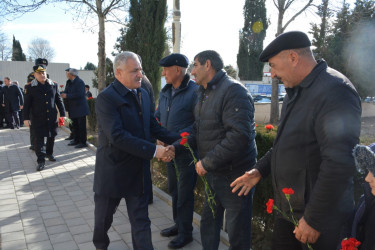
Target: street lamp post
<point>176,26</point>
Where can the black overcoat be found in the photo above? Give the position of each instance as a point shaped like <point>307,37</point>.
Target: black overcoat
<point>76,102</point>
<point>41,100</point>
<point>124,144</point>
<point>13,98</point>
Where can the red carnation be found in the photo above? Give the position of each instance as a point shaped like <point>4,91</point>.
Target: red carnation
<point>184,134</point>
<point>61,121</point>
<point>61,86</point>
<point>269,127</point>
<point>269,205</point>
<point>90,98</point>
<point>288,191</point>
<point>350,244</point>
<point>183,141</point>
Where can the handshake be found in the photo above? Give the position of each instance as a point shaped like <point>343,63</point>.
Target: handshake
<point>164,152</point>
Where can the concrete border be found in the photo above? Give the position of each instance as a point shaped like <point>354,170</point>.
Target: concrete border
<point>164,196</point>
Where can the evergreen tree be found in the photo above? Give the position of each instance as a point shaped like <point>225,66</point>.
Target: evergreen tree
<point>91,66</point>
<point>320,32</point>
<point>17,53</point>
<point>146,36</point>
<point>251,40</point>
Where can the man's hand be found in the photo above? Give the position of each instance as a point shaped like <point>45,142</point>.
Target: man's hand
<point>246,181</point>
<point>161,143</point>
<point>305,233</point>
<point>199,168</point>
<point>3,105</point>
<point>27,123</point>
<point>21,107</point>
<point>164,153</point>
<point>63,95</point>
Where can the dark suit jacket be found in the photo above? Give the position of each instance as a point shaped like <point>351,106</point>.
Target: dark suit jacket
<point>76,98</point>
<point>41,100</point>
<point>13,98</point>
<point>124,148</point>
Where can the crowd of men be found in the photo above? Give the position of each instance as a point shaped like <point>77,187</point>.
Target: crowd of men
<point>312,153</point>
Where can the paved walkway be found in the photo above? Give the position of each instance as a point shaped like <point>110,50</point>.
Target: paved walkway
<point>54,208</point>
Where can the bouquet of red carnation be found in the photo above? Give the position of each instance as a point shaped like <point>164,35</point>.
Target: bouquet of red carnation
<point>90,98</point>
<point>210,195</point>
<point>62,121</point>
<point>270,206</point>
<point>350,244</point>
<point>269,127</point>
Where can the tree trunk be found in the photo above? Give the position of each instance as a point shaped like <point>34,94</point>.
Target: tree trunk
<point>101,48</point>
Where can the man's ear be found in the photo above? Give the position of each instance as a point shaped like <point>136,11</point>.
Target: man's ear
<point>207,65</point>
<point>293,57</point>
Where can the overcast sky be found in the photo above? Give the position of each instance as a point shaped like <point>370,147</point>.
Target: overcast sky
<point>208,24</point>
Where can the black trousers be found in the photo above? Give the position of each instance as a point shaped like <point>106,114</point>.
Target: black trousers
<point>39,141</point>
<point>137,206</point>
<point>12,118</point>
<point>2,116</point>
<point>79,128</point>
<point>284,238</point>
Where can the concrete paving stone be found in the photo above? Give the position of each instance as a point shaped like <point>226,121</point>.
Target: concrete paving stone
<point>71,215</point>
<point>8,191</point>
<point>26,203</point>
<point>118,245</point>
<point>66,208</point>
<point>7,202</point>
<point>50,208</point>
<point>65,197</point>
<point>71,245</point>
<point>120,220</point>
<point>42,245</point>
<point>122,228</point>
<point>161,221</point>
<point>9,213</point>
<point>75,222</point>
<point>161,245</point>
<point>80,229</point>
<point>14,245</point>
<point>113,235</point>
<point>83,238</point>
<point>8,196</point>
<point>28,208</point>
<point>88,216</point>
<point>51,215</point>
<point>42,197</point>
<point>31,222</point>
<point>30,214</point>
<point>14,227</point>
<point>38,228</point>
<point>87,209</point>
<point>156,237</point>
<point>42,203</point>
<point>127,237</point>
<point>54,221</point>
<point>60,237</point>
<point>57,229</point>
<point>78,197</point>
<point>192,246</point>
<point>11,236</point>
<point>58,192</point>
<point>86,246</point>
<point>84,203</point>
<point>9,207</point>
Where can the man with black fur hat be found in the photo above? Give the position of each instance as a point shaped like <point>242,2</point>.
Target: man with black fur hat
<point>312,153</point>
<point>41,100</point>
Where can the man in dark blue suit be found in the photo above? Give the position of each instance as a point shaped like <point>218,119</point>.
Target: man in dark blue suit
<point>77,107</point>
<point>13,102</point>
<point>122,170</point>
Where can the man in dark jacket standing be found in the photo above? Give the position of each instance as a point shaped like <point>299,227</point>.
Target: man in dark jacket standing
<point>224,134</point>
<point>176,113</point>
<point>126,124</point>
<point>77,107</point>
<point>40,103</point>
<point>312,153</point>
<point>13,102</point>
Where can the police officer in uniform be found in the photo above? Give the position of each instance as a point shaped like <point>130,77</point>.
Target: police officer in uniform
<point>41,101</point>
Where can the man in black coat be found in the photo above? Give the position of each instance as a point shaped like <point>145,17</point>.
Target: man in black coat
<point>2,109</point>
<point>40,103</point>
<point>312,153</point>
<point>87,91</point>
<point>125,126</point>
<point>77,107</point>
<point>224,134</point>
<point>13,102</point>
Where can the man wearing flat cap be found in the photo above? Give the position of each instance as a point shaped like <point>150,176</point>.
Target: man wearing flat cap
<point>176,113</point>
<point>312,153</point>
<point>40,102</point>
<point>77,107</point>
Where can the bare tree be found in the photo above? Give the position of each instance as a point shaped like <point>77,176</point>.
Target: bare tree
<point>41,48</point>
<point>102,10</point>
<point>5,50</point>
<point>282,7</point>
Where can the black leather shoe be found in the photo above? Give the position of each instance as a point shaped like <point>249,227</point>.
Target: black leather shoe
<point>170,231</point>
<point>81,145</point>
<point>69,138</point>
<point>50,157</point>
<point>40,166</point>
<point>179,242</point>
<point>73,143</point>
